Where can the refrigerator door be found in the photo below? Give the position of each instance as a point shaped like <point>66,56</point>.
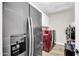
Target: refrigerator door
<point>14,22</point>
<point>37,30</point>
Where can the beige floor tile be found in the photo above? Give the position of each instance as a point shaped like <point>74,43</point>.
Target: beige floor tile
<point>58,50</point>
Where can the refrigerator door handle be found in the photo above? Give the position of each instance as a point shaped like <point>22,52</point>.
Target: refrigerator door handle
<point>32,36</point>
<point>29,35</point>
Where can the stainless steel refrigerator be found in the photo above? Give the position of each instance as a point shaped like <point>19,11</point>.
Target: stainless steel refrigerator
<point>21,29</point>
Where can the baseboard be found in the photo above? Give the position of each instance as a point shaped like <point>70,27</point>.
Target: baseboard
<point>59,43</point>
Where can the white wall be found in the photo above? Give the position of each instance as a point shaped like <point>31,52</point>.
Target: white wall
<point>0,28</point>
<point>59,21</point>
<point>45,20</point>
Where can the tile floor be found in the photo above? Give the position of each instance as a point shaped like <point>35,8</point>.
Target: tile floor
<point>58,50</point>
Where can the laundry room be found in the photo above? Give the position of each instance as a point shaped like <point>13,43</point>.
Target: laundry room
<point>59,23</point>
<point>38,29</point>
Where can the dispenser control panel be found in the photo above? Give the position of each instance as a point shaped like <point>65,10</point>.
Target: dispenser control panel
<point>18,45</point>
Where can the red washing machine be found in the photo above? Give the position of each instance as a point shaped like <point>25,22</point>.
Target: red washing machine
<point>46,41</point>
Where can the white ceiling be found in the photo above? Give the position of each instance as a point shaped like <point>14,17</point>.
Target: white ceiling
<point>51,7</point>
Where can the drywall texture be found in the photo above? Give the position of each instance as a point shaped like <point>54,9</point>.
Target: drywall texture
<point>59,21</point>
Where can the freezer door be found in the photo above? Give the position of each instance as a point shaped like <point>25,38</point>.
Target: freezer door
<point>37,29</point>
<point>14,22</point>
